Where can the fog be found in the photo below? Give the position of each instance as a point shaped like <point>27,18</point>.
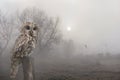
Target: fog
<point>93,22</point>
<point>86,42</point>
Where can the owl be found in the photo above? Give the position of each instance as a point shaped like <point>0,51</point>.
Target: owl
<point>24,45</point>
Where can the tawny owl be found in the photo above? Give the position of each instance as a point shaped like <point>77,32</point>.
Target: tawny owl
<point>24,44</point>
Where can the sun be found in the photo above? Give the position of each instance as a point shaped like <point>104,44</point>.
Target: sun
<point>68,28</point>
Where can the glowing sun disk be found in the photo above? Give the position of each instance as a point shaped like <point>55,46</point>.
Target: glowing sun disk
<point>68,28</point>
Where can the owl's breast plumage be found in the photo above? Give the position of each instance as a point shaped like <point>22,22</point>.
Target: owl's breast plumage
<point>24,46</point>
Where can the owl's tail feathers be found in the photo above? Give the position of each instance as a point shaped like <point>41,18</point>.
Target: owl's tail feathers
<point>14,68</point>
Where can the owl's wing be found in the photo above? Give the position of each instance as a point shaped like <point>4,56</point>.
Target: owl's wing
<point>19,45</point>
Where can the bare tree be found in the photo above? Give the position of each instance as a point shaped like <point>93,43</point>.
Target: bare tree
<point>68,48</point>
<point>5,32</point>
<point>49,27</point>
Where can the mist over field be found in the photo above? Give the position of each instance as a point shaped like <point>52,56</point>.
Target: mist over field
<point>78,39</point>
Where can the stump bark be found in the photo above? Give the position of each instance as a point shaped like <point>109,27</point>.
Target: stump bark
<point>28,68</point>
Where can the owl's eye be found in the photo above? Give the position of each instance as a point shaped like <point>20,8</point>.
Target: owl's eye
<point>35,28</point>
<point>27,27</point>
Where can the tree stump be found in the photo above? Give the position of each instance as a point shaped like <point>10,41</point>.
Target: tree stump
<point>28,66</point>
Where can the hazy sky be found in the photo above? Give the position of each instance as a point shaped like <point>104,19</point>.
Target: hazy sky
<point>92,22</point>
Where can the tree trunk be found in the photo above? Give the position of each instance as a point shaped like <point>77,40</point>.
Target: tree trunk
<point>27,64</point>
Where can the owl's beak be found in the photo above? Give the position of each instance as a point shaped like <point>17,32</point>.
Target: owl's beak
<point>31,33</point>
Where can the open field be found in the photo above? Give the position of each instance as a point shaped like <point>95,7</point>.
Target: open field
<point>73,69</point>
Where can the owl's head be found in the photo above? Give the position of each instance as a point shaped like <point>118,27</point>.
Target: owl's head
<point>30,29</point>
